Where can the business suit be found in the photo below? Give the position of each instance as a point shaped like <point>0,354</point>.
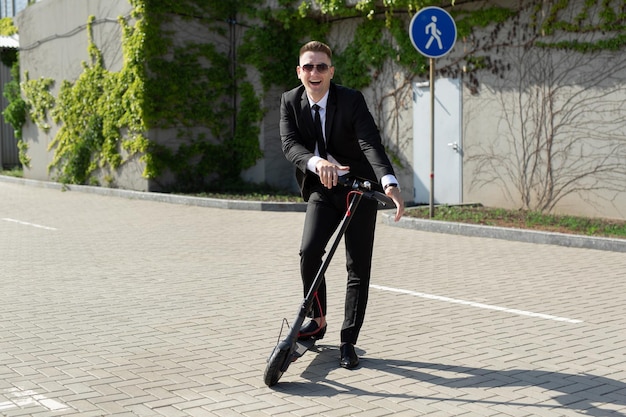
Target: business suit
<point>351,135</point>
<point>352,138</point>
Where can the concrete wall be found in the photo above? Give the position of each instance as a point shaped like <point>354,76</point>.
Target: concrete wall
<point>580,102</point>
<point>273,168</point>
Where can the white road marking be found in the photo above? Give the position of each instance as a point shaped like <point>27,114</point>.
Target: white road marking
<point>475,304</point>
<point>28,224</point>
<point>24,398</point>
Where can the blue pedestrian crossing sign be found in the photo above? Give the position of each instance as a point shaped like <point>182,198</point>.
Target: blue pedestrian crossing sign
<point>433,32</point>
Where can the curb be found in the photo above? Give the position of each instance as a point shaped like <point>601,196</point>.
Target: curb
<point>435,226</point>
<point>162,197</point>
<point>519,235</point>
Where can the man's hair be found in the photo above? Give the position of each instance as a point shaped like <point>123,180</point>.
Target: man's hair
<point>316,46</point>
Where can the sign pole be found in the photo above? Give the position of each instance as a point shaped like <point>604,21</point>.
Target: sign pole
<point>432,139</point>
<point>433,34</point>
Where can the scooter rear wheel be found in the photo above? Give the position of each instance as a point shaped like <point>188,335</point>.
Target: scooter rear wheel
<point>277,364</point>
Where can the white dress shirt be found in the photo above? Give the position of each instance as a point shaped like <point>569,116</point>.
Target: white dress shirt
<point>384,181</point>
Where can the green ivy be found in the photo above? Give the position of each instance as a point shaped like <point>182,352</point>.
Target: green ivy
<point>91,113</point>
<point>207,90</point>
<point>6,27</point>
<point>39,100</point>
<point>94,110</point>
<point>381,35</point>
<point>272,46</point>
<point>17,109</point>
<point>610,19</point>
<point>368,51</point>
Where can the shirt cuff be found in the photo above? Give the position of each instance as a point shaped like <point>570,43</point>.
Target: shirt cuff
<point>312,162</point>
<point>389,179</point>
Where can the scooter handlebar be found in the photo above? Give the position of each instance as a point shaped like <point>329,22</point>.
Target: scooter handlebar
<point>365,187</point>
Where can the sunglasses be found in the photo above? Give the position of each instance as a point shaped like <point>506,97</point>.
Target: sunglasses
<point>321,68</point>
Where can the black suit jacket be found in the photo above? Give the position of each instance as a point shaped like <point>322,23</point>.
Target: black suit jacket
<point>352,137</point>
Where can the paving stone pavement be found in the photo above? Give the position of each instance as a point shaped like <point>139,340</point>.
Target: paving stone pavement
<point>128,307</point>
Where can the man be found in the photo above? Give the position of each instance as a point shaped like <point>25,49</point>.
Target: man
<point>347,141</point>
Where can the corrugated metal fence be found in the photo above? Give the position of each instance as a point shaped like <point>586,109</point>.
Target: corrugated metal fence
<point>9,157</point>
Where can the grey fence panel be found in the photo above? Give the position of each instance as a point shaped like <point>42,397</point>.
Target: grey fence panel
<point>9,157</point>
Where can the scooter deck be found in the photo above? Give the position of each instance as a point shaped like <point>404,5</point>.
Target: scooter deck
<point>301,348</point>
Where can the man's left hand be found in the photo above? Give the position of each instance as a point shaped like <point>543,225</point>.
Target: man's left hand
<point>396,196</point>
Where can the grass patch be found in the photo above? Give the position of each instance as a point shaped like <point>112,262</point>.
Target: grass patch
<point>522,219</point>
<point>241,190</point>
<point>273,196</point>
<point>15,172</point>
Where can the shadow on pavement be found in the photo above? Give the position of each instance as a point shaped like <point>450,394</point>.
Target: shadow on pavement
<point>578,392</point>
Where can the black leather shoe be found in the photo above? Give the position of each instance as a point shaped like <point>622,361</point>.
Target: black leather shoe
<point>312,330</point>
<point>349,359</point>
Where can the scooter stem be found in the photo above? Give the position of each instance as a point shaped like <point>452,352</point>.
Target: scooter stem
<point>308,300</point>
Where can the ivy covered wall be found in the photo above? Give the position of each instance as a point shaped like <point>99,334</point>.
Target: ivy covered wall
<point>161,106</point>
<point>183,109</point>
<point>192,103</point>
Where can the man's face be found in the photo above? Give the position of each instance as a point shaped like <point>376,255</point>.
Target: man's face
<point>315,72</point>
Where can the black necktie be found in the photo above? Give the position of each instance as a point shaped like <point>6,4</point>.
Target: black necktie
<point>319,136</point>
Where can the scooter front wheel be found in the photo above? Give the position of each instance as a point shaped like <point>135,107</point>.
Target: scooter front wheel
<point>277,364</point>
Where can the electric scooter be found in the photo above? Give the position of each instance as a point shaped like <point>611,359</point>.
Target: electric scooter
<point>290,348</point>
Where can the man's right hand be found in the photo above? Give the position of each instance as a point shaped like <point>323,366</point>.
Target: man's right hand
<point>327,172</point>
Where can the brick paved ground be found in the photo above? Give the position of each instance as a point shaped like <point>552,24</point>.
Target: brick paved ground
<point>113,306</point>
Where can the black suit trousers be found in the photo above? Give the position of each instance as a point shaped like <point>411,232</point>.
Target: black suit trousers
<point>325,209</point>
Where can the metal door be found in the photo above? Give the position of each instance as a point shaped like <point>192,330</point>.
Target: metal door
<point>448,158</point>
